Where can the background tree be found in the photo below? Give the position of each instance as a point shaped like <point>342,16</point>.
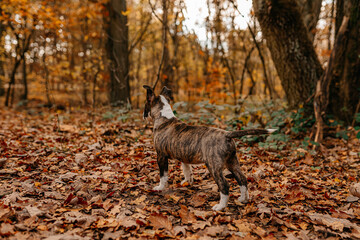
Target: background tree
<point>296,60</point>
<point>291,49</point>
<point>2,51</point>
<point>118,53</point>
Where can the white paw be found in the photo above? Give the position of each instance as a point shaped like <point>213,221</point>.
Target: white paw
<point>218,207</point>
<point>244,198</point>
<point>159,188</point>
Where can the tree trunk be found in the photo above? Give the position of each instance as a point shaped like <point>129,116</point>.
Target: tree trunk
<point>24,97</point>
<point>310,11</point>
<point>345,77</point>
<point>168,71</point>
<point>118,53</point>
<point>291,48</point>
<point>11,84</point>
<point>46,76</point>
<point>339,15</point>
<point>2,72</point>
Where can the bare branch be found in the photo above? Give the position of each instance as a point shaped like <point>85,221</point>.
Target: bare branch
<point>153,11</point>
<point>140,35</point>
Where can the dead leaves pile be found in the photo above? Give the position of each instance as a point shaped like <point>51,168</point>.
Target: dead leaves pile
<point>71,176</point>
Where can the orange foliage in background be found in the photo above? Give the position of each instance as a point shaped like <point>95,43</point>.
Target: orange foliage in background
<point>66,61</point>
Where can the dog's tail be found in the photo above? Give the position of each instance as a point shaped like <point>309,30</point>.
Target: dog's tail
<point>241,133</point>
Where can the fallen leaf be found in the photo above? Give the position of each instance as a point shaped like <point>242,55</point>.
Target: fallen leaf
<point>197,200</point>
<point>180,229</point>
<point>243,226</point>
<point>34,211</point>
<point>200,225</point>
<point>159,221</point>
<point>355,190</point>
<point>6,229</point>
<point>186,216</point>
<point>127,222</point>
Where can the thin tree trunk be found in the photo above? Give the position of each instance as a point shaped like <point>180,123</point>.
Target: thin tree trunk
<point>25,95</point>
<point>137,74</point>
<point>94,88</point>
<point>266,79</point>
<point>46,73</point>
<point>2,72</point>
<point>244,69</point>
<point>168,71</point>
<point>11,84</point>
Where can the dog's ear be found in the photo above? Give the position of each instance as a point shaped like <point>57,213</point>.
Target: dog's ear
<point>149,93</point>
<point>167,93</point>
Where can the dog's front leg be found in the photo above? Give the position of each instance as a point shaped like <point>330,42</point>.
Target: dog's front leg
<point>163,167</point>
<point>187,173</point>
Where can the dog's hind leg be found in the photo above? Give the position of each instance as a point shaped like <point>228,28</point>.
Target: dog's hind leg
<point>163,167</point>
<point>223,185</point>
<point>234,167</point>
<point>187,173</point>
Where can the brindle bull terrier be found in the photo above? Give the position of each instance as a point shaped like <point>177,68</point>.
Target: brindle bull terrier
<point>214,147</point>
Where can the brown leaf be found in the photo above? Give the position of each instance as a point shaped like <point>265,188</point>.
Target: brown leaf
<point>67,128</point>
<point>159,221</point>
<point>81,158</point>
<point>109,223</point>
<point>34,211</point>
<point>334,223</point>
<point>262,209</point>
<point>74,216</point>
<point>127,222</point>
<point>279,166</point>
<point>180,229</point>
<point>197,200</point>
<point>202,214</point>
<point>309,160</point>
<point>214,230</point>
<point>260,231</point>
<point>200,225</point>
<point>6,229</point>
<point>355,190</point>
<point>243,225</point>
<point>186,216</point>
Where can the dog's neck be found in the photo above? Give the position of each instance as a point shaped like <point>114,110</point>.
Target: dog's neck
<point>166,113</point>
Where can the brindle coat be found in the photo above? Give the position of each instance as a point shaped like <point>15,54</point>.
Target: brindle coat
<point>214,147</point>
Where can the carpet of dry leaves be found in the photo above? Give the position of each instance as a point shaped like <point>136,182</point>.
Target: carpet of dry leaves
<point>82,176</point>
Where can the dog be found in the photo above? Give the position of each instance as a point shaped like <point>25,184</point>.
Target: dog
<point>173,139</point>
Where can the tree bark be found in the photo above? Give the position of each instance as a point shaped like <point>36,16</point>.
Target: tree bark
<point>24,97</point>
<point>310,11</point>
<point>2,72</point>
<point>345,72</point>
<point>118,53</point>
<point>168,71</point>
<point>321,99</point>
<point>339,15</point>
<point>291,48</point>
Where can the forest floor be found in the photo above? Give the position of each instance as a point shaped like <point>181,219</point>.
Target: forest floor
<point>83,175</point>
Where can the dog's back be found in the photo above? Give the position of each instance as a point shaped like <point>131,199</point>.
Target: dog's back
<point>192,144</point>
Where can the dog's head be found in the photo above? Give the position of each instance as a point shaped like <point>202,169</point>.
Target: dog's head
<point>158,106</point>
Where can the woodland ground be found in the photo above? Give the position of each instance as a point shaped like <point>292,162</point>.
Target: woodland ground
<point>84,175</point>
